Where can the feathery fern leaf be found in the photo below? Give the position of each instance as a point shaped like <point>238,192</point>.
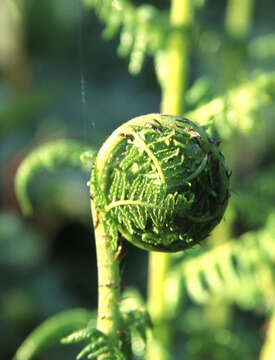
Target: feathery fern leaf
<point>238,110</point>
<point>136,322</point>
<point>240,271</point>
<point>52,330</point>
<point>99,344</point>
<point>49,156</point>
<point>143,28</point>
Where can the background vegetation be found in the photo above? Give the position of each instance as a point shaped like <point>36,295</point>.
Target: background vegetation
<point>59,79</point>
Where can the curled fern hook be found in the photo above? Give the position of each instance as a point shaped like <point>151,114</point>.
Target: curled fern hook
<point>161,181</point>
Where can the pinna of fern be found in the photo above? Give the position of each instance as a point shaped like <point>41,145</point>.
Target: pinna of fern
<point>240,272</point>
<point>143,29</point>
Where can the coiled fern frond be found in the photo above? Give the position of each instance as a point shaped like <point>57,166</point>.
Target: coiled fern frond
<point>161,182</point>
<point>50,156</point>
<point>240,271</point>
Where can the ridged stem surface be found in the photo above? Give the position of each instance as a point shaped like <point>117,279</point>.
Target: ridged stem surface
<point>108,267</point>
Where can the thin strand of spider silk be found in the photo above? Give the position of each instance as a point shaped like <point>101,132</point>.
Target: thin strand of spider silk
<point>83,93</point>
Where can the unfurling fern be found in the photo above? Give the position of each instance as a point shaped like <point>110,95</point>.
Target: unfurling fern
<point>161,181</point>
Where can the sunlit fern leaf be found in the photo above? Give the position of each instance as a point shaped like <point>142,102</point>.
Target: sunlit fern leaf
<point>52,330</point>
<point>142,28</point>
<point>100,201</point>
<point>97,194</point>
<point>239,271</point>
<point>99,344</point>
<point>111,230</point>
<point>238,110</point>
<point>49,156</point>
<point>145,201</point>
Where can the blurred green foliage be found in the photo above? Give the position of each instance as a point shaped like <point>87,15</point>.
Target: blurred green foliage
<point>59,79</point>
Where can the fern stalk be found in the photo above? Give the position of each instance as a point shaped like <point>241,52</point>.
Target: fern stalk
<point>239,18</point>
<point>173,89</point>
<point>268,350</point>
<point>181,17</point>
<point>108,280</point>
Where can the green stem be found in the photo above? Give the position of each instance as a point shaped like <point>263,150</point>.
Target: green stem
<point>160,344</point>
<point>268,350</point>
<point>181,18</point>
<point>108,281</point>
<point>239,18</point>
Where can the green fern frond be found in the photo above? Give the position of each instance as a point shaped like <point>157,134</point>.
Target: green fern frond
<point>145,199</point>
<point>238,110</point>
<point>164,179</point>
<point>99,344</point>
<point>143,28</point>
<point>52,330</point>
<point>134,313</point>
<point>136,323</point>
<point>49,156</point>
<point>240,271</point>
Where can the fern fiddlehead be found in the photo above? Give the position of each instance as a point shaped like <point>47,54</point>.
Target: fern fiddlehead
<point>161,181</point>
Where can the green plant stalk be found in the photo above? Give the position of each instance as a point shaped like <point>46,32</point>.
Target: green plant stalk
<point>108,280</point>
<point>158,267</point>
<point>268,350</point>
<point>181,17</point>
<point>238,21</point>
<point>238,18</point>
